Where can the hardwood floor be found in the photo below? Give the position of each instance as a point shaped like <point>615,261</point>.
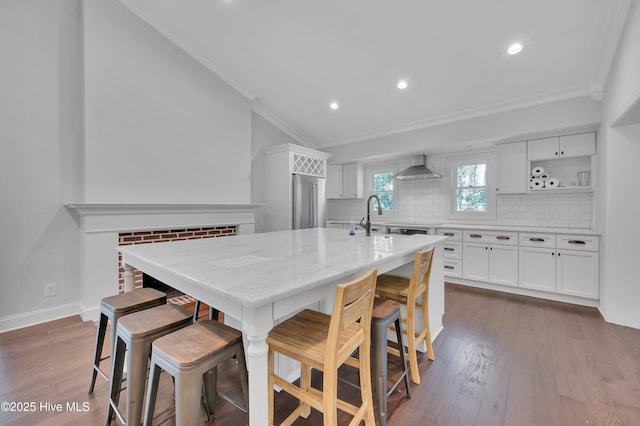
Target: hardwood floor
<point>500,360</point>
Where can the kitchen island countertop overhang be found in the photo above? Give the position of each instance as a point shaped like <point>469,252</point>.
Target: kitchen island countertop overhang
<point>258,279</point>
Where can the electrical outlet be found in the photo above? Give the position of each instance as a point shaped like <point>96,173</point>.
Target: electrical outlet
<point>49,289</point>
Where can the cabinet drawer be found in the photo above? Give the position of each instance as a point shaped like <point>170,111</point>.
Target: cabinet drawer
<point>538,240</point>
<point>491,237</point>
<point>579,242</point>
<point>452,267</point>
<point>453,234</point>
<point>452,249</point>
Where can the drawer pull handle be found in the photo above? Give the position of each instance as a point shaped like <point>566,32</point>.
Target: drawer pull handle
<point>449,249</point>
<point>537,240</point>
<point>502,237</point>
<point>449,234</point>
<point>475,236</point>
<point>577,242</point>
<point>448,267</point>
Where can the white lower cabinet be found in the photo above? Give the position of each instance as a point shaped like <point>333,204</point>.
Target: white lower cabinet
<point>490,262</point>
<point>570,272</point>
<point>538,268</point>
<point>577,273</point>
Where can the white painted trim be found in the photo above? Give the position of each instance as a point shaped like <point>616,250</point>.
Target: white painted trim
<point>563,95</point>
<point>39,316</point>
<point>268,115</point>
<point>633,101</point>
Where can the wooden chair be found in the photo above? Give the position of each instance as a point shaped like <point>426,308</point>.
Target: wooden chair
<point>414,293</point>
<point>325,342</point>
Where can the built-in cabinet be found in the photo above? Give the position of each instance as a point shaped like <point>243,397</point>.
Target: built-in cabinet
<point>512,168</point>
<point>281,162</point>
<point>345,180</point>
<point>561,158</point>
<point>490,257</point>
<point>563,264</point>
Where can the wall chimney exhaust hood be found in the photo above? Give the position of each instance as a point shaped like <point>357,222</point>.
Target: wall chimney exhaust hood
<point>418,170</point>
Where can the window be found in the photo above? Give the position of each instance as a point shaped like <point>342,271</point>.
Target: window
<point>382,184</point>
<point>472,181</point>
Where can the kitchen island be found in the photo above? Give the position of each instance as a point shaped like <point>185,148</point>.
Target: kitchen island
<point>258,279</point>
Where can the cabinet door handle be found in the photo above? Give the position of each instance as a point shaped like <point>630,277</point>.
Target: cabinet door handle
<point>475,236</point>
<point>556,152</point>
<point>448,267</point>
<point>502,237</point>
<point>448,249</point>
<point>577,242</point>
<point>448,234</point>
<point>537,240</point>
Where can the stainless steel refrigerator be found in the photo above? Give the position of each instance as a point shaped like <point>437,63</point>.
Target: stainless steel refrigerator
<point>309,202</point>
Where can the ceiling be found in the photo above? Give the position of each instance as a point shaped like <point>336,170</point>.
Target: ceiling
<point>292,58</point>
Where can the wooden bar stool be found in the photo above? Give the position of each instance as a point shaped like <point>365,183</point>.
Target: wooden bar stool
<point>384,314</point>
<point>414,293</point>
<point>189,355</point>
<point>325,342</point>
<point>111,309</point>
<point>135,334</point>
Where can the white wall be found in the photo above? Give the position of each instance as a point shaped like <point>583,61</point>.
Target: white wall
<point>619,182</point>
<point>41,158</point>
<point>160,127</point>
<point>263,135</point>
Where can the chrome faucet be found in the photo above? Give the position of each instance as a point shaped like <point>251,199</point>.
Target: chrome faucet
<point>367,224</point>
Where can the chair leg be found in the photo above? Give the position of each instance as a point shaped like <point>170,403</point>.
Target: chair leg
<point>152,392</point>
<point>187,394</point>
<point>100,336</point>
<point>117,367</point>
<point>136,376</point>
<point>305,384</point>
<point>330,395</point>
<point>411,342</point>
<point>210,379</point>
<point>244,376</point>
<point>425,324</point>
<point>403,357</point>
<point>365,383</point>
<point>379,368</point>
<point>270,389</point>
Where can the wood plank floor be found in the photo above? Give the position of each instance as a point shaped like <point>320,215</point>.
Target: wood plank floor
<point>500,360</point>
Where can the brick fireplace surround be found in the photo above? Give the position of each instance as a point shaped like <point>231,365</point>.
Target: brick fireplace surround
<point>104,226</point>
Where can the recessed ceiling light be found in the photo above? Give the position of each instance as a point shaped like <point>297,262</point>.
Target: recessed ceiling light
<point>402,84</point>
<point>514,48</point>
<point>334,105</point>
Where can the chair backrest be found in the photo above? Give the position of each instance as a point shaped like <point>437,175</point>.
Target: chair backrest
<point>352,309</point>
<point>421,273</point>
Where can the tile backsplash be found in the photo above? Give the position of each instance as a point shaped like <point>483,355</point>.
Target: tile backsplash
<point>428,201</point>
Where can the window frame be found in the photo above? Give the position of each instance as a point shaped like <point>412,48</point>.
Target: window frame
<point>490,175</point>
<point>376,168</point>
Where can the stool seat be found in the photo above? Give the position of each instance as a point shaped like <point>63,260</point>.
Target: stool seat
<point>135,334</point>
<point>384,314</point>
<point>192,355</point>
<point>132,301</point>
<point>111,309</point>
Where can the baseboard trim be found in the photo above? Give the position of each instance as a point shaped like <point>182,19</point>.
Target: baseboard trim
<point>39,316</point>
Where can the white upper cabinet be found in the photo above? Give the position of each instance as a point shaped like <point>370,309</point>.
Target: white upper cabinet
<point>578,145</point>
<point>512,168</point>
<point>345,180</point>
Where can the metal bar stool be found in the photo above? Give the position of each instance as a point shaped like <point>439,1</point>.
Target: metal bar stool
<point>135,334</point>
<point>189,355</point>
<point>111,309</point>
<point>384,314</point>
<point>214,314</point>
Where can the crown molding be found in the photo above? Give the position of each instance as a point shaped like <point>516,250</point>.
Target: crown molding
<point>264,112</point>
<point>154,19</point>
<point>557,96</point>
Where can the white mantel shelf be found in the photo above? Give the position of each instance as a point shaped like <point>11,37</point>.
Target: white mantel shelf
<point>86,209</point>
<point>128,217</point>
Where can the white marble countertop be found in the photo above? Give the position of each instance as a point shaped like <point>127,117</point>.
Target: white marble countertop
<point>503,228</point>
<point>257,269</point>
